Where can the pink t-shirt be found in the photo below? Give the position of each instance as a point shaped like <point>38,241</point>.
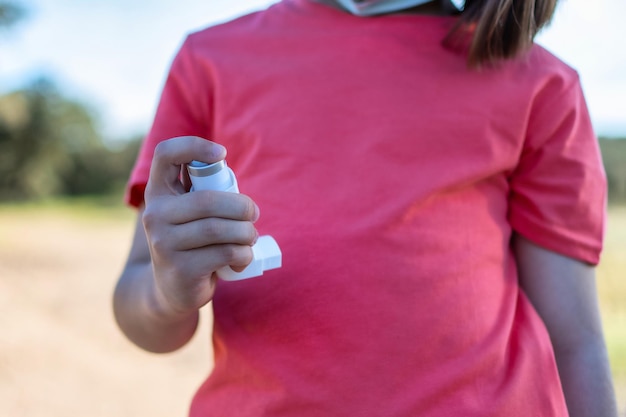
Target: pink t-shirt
<point>392,177</point>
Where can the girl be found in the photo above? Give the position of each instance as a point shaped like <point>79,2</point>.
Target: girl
<point>434,182</point>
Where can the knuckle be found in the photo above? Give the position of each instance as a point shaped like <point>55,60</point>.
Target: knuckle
<point>151,218</point>
<point>148,218</point>
<point>161,149</point>
<point>160,245</point>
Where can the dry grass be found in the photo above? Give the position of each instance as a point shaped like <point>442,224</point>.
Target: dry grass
<point>612,292</point>
<point>61,354</point>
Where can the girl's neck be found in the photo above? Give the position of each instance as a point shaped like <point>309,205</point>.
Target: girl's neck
<point>432,8</point>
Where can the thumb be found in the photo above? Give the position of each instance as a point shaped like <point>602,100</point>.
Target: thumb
<point>171,154</point>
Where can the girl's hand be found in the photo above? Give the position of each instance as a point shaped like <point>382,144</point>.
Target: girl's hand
<point>191,235</point>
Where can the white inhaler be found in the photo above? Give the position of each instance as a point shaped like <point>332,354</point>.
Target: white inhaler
<point>219,177</point>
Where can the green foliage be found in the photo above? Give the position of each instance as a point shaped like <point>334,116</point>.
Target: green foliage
<point>99,170</point>
<point>50,146</point>
<point>614,158</point>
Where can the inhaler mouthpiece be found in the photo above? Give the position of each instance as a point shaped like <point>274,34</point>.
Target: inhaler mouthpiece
<point>219,177</point>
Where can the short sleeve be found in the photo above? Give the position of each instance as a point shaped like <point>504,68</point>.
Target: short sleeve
<point>558,190</point>
<point>184,109</point>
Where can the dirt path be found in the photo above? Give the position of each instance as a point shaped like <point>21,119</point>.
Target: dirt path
<point>60,352</point>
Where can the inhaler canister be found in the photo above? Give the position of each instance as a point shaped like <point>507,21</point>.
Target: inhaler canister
<point>219,177</point>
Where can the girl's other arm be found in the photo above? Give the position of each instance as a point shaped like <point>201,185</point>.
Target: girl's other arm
<point>563,291</point>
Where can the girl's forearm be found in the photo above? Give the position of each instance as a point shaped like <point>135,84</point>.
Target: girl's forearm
<point>586,379</point>
<point>140,314</point>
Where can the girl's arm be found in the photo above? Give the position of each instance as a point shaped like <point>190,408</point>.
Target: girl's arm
<point>139,311</point>
<point>180,239</point>
<point>563,291</point>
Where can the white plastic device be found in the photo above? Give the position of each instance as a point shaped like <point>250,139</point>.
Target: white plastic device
<point>218,176</point>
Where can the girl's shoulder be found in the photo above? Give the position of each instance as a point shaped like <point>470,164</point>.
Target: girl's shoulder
<point>254,23</point>
<point>543,68</point>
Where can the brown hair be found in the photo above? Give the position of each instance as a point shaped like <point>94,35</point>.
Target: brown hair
<point>500,29</point>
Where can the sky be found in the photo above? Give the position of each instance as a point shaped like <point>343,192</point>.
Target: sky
<point>114,54</point>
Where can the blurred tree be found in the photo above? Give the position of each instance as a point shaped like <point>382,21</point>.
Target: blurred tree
<point>10,13</point>
<point>38,130</point>
<point>99,169</point>
<point>50,145</point>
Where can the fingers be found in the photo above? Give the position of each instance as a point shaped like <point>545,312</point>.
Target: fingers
<point>205,232</point>
<point>170,154</point>
<point>203,204</point>
<point>195,220</point>
<point>197,262</point>
<point>192,235</point>
<point>186,279</point>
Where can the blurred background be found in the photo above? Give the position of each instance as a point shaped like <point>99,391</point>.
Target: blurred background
<point>79,83</point>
